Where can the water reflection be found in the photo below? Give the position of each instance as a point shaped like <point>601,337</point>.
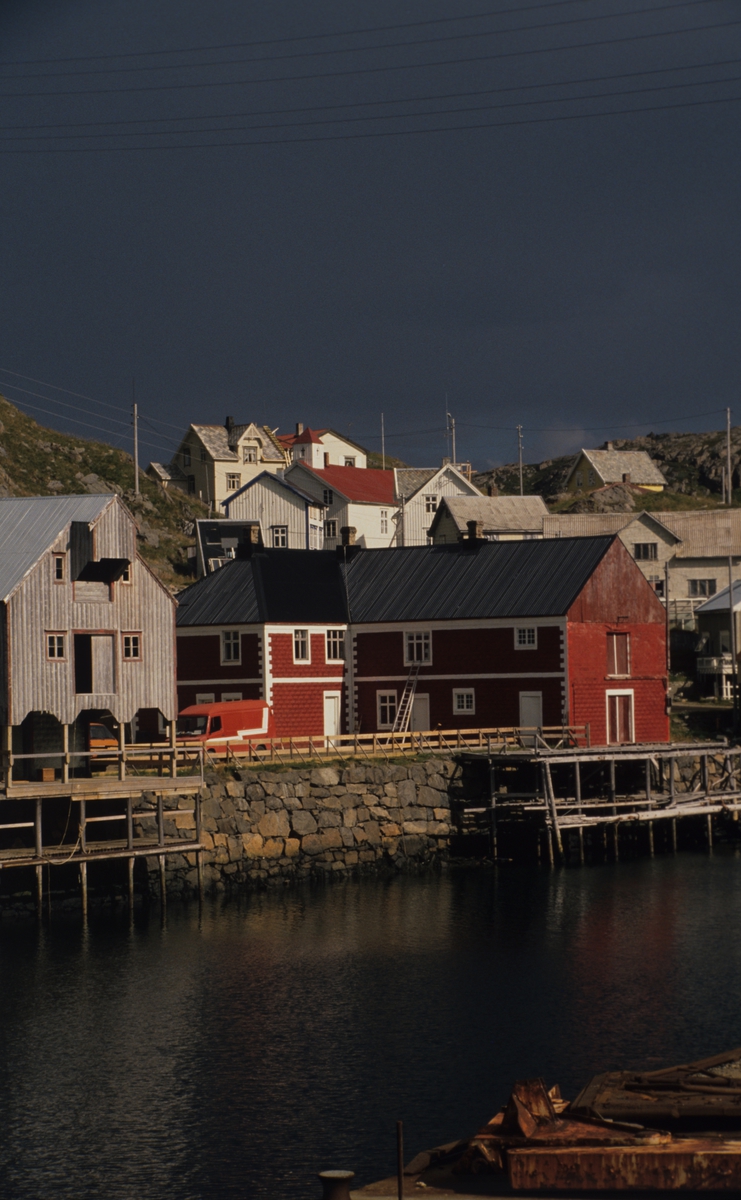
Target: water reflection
<point>238,1054</point>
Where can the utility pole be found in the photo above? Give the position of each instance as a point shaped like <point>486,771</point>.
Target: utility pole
<point>734,661</point>
<point>452,430</point>
<point>136,437</point>
<point>729,484</point>
<point>383,445</point>
<point>519,456</point>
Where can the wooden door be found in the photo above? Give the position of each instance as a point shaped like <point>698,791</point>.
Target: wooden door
<point>619,718</point>
<point>531,710</point>
<point>331,714</point>
<point>420,713</point>
<point>104,679</point>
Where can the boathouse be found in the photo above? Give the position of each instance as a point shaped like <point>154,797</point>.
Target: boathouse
<point>87,631</point>
<point>478,635</point>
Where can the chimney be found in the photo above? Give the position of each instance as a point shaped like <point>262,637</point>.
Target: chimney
<point>229,424</point>
<point>299,429</point>
<point>608,446</point>
<point>626,477</point>
<point>348,534</point>
<point>253,535</point>
<point>326,459</point>
<point>492,489</point>
<point>475,531</point>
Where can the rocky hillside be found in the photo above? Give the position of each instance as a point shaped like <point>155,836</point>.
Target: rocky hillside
<point>35,461</point>
<point>691,462</point>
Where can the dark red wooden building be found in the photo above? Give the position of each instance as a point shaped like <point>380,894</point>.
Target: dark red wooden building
<point>495,634</point>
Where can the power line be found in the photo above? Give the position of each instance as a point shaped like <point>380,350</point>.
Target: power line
<point>74,420</point>
<point>450,37</point>
<point>596,428</point>
<point>46,137</point>
<point>355,72</point>
<point>276,112</point>
<point>79,395</point>
<point>387,133</point>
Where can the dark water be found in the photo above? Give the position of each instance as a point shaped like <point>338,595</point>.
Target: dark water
<point>239,1054</point>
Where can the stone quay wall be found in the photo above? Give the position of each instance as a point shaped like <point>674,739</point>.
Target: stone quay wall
<point>262,827</point>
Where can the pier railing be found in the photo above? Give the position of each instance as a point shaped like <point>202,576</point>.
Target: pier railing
<point>108,771</point>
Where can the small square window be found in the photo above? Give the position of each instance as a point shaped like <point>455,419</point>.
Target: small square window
<point>55,647</point>
<point>230,646</point>
<point>126,574</point>
<point>132,646</point>
<point>280,537</point>
<point>430,504</point>
<point>590,479</point>
<point>205,697</point>
<point>226,697</point>
<point>349,462</point>
<point>232,482</point>
<point>335,644</point>
<point>579,479</point>
<point>386,709</point>
<point>330,529</point>
<point>526,637</point>
<point>249,454</point>
<point>417,648</point>
<point>328,495</point>
<point>464,700</point>
<point>59,571</point>
<point>301,645</point>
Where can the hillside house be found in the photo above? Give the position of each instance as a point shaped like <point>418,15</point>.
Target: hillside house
<point>361,501</point>
<point>322,448</point>
<point>87,631</point>
<point>539,632</point>
<point>496,518</point>
<point>289,517</point>
<point>596,468</point>
<point>214,461</point>
<point>420,491</point>
<point>715,668</point>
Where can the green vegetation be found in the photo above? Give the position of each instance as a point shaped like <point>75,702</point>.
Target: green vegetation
<point>35,461</point>
<point>376,462</point>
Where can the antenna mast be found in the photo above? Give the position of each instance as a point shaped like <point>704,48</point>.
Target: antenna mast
<point>383,445</point>
<point>519,455</point>
<point>136,437</point>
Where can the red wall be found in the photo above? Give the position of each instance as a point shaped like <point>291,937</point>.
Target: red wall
<point>200,658</point>
<point>299,707</point>
<point>618,599</point>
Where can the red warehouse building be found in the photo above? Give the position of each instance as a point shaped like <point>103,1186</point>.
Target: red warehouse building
<point>488,633</point>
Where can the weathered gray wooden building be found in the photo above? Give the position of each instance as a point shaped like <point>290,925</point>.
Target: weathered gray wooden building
<point>87,631</point>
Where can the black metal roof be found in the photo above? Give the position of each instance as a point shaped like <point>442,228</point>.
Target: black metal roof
<point>271,585</point>
<point>487,579</point>
<point>415,583</point>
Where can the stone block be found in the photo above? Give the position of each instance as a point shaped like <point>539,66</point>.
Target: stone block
<point>373,832</point>
<point>406,790</point>
<point>347,837</point>
<point>414,813</point>
<point>324,777</point>
<point>254,791</point>
<point>363,814</point>
<point>415,827</point>
<point>380,814</point>
<point>390,789</point>
<point>414,845</point>
<point>293,845</point>
<point>234,789</point>
<point>441,814</point>
<point>219,839</point>
<point>390,845</point>
<point>354,774</point>
<point>235,848</point>
<point>361,837</point>
<point>272,848</point>
<point>211,808</point>
<point>257,809</point>
<point>274,824</point>
<point>334,801</point>
<point>351,858</point>
<point>312,844</point>
<point>438,783</point>
<point>242,823</point>
<point>207,840</point>
<point>331,839</point>
<point>303,822</point>
<point>252,843</point>
<point>390,831</point>
<point>357,789</point>
<point>427,797</point>
<point>328,820</point>
<point>438,829</point>
<point>349,818</point>
<point>367,855</point>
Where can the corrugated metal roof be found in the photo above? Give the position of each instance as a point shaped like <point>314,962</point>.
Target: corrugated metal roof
<point>490,579</point>
<point>711,534</point>
<point>586,524</point>
<point>272,585</point>
<point>495,512</point>
<point>613,464</point>
<point>277,481</point>
<point>719,602</point>
<point>29,526</point>
<point>358,484</point>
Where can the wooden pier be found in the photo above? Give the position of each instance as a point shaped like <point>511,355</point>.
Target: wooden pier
<point>552,799</point>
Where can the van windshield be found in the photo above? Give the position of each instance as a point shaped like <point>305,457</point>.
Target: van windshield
<point>192,725</point>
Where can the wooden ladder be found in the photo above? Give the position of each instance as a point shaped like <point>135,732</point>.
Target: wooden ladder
<point>404,711</point>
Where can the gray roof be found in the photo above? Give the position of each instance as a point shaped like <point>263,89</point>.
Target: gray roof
<point>29,526</point>
<point>165,474</point>
<point>410,479</point>
<point>495,512</point>
<point>719,602</point>
<point>704,533</point>
<point>216,441</point>
<point>270,448</point>
<point>414,583</point>
<point>611,465</point>
<point>275,481</point>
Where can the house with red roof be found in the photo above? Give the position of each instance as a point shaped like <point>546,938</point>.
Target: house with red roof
<point>322,448</point>
<point>362,502</point>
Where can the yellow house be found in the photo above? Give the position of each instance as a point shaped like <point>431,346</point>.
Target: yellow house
<point>596,468</point>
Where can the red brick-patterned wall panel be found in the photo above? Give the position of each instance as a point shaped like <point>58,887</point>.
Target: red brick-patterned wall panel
<point>589,681</point>
<point>299,708</point>
<point>283,666</point>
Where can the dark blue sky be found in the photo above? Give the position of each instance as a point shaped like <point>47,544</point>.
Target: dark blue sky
<point>564,274</point>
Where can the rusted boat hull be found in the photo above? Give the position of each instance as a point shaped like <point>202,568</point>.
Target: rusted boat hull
<point>685,1165</point>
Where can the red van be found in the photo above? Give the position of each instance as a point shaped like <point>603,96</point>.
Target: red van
<point>232,722</point>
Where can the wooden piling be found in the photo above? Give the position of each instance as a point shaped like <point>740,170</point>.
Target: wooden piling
<point>581,845</point>
<point>651,838</point>
<point>550,798</point>
<point>163,882</point>
<point>615,842</point>
<point>674,835</point>
<point>709,820</point>
<point>130,863</point>
<point>199,869</point>
<point>83,888</point>
<point>613,791</point>
<point>39,891</point>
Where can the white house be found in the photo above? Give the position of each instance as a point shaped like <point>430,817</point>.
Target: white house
<point>419,492</point>
<point>321,448</point>
<point>214,461</point>
<point>501,518</point>
<point>360,500</point>
<point>290,517</point>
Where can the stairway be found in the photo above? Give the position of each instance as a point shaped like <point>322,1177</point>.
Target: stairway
<point>404,711</point>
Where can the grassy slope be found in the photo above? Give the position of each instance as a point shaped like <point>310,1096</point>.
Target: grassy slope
<point>35,461</point>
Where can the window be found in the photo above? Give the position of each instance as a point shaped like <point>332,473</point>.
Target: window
<point>226,696</point>
<point>230,647</point>
<point>301,645</point>
<point>315,537</point>
<point>186,456</point>
<point>335,644</point>
<point>657,583</point>
<point>249,454</point>
<point>126,574</point>
<point>618,654</point>
<point>619,718</point>
<point>205,697</point>
<point>646,551</point>
<point>55,646</point>
<point>204,455</point>
<point>233,482</point>
<point>579,479</point>
<point>417,648</point>
<point>328,495</point>
<point>526,637</point>
<point>349,462</point>
<point>280,537</point>
<point>430,504</point>
<point>59,572</point>
<point>386,709</point>
<point>132,646</point>
<point>464,700</point>
<point>590,479</point>
<point>701,587</point>
<point>330,529</point>
<point>384,520</point>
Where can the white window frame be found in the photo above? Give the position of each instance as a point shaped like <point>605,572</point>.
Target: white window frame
<point>227,638</point>
<point>621,692</point>
<point>384,517</point>
<point>227,696</point>
<point>386,692</point>
<point>125,575</point>
<point>205,697</point>
<point>328,496</point>
<point>349,462</point>
<point>295,638</point>
<point>249,453</point>
<point>613,633</point>
<point>416,637</point>
<point>526,629</point>
<point>339,639</point>
<point>135,633</point>
<point>431,503</point>
<point>53,640</point>
<point>330,529</point>
<point>60,577</point>
<point>460,693</point>
<point>280,537</point>
<point>233,481</point>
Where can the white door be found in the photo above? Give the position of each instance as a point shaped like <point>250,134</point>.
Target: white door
<point>331,714</point>
<point>103,670</point>
<point>420,713</point>
<point>531,710</point>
